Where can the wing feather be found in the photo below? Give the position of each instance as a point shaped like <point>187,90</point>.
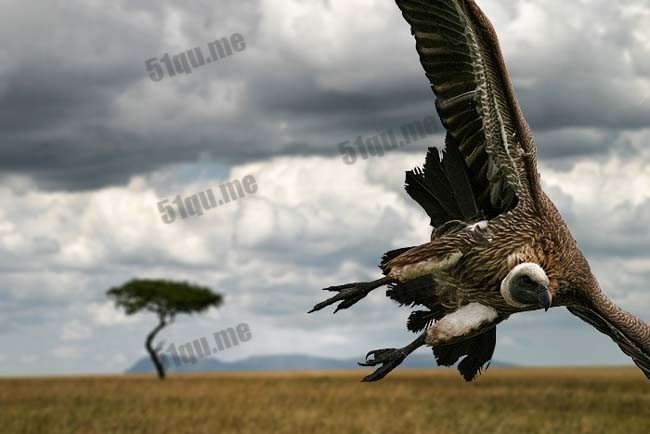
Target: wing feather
<point>604,325</point>
<point>460,54</point>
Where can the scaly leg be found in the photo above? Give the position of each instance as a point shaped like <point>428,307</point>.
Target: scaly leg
<point>390,358</point>
<point>350,293</point>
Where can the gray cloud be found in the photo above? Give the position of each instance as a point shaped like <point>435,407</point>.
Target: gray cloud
<point>79,111</point>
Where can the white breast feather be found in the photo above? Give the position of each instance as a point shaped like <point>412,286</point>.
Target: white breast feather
<point>465,320</point>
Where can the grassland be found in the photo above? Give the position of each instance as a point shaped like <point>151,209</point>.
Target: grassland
<point>557,401</point>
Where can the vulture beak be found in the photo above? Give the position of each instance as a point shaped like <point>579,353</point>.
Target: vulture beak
<point>544,298</point>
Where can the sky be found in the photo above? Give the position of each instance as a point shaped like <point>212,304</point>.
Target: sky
<point>90,144</point>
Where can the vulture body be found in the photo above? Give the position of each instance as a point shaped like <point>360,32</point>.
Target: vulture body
<point>499,245</point>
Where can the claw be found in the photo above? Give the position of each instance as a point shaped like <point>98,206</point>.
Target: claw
<point>383,356</point>
<point>349,294</point>
<point>341,296</point>
<point>347,297</point>
<point>338,288</point>
<point>390,358</point>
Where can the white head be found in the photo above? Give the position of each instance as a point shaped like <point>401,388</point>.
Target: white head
<point>526,285</point>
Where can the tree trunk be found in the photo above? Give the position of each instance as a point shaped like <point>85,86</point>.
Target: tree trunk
<point>152,352</point>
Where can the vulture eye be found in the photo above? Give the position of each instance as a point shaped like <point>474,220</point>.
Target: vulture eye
<point>526,279</point>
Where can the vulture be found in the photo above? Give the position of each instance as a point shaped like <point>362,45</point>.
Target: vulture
<point>499,245</point>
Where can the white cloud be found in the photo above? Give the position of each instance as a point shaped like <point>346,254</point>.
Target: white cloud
<point>603,184</point>
<point>75,331</point>
<point>28,358</point>
<point>66,352</point>
<point>106,314</point>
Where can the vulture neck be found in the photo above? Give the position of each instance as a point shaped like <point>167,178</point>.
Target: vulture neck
<point>631,326</point>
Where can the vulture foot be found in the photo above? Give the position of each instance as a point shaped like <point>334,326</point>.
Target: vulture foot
<point>349,293</point>
<point>390,358</point>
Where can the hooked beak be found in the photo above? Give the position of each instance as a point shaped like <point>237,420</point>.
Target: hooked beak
<point>544,298</point>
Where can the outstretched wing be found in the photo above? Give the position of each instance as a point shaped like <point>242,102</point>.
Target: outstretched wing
<point>476,102</point>
<point>604,325</point>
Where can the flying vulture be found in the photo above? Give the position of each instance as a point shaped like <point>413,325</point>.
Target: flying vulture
<point>499,245</point>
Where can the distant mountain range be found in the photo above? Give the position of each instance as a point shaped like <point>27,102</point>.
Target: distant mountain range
<point>282,362</point>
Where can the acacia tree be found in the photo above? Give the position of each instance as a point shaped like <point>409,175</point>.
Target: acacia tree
<point>166,299</point>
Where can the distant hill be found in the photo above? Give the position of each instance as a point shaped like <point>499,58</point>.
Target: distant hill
<point>282,362</point>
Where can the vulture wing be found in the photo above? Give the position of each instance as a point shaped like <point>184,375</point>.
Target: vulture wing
<point>604,324</point>
<point>476,102</point>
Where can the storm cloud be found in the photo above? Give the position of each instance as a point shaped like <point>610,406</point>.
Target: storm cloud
<point>79,111</point>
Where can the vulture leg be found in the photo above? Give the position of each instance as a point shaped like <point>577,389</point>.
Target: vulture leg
<point>390,358</point>
<point>350,293</point>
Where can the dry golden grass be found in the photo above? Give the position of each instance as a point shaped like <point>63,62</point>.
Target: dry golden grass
<point>557,401</point>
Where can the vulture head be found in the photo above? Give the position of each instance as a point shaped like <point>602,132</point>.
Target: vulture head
<point>526,286</point>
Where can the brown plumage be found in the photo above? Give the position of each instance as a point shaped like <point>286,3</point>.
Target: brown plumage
<point>499,245</point>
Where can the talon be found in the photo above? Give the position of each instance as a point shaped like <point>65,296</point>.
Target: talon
<point>349,294</point>
<point>382,356</point>
<point>389,358</point>
<point>338,288</point>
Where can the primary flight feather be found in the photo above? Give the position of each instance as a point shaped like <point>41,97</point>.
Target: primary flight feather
<point>499,245</point>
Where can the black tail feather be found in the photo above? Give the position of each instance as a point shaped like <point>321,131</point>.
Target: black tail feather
<point>478,351</point>
<point>443,189</point>
<point>423,193</point>
<point>436,176</point>
<point>457,173</point>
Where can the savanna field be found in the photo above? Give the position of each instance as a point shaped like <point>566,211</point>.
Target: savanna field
<point>504,400</point>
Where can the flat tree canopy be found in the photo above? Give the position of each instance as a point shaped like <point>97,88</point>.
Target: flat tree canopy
<point>166,299</point>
